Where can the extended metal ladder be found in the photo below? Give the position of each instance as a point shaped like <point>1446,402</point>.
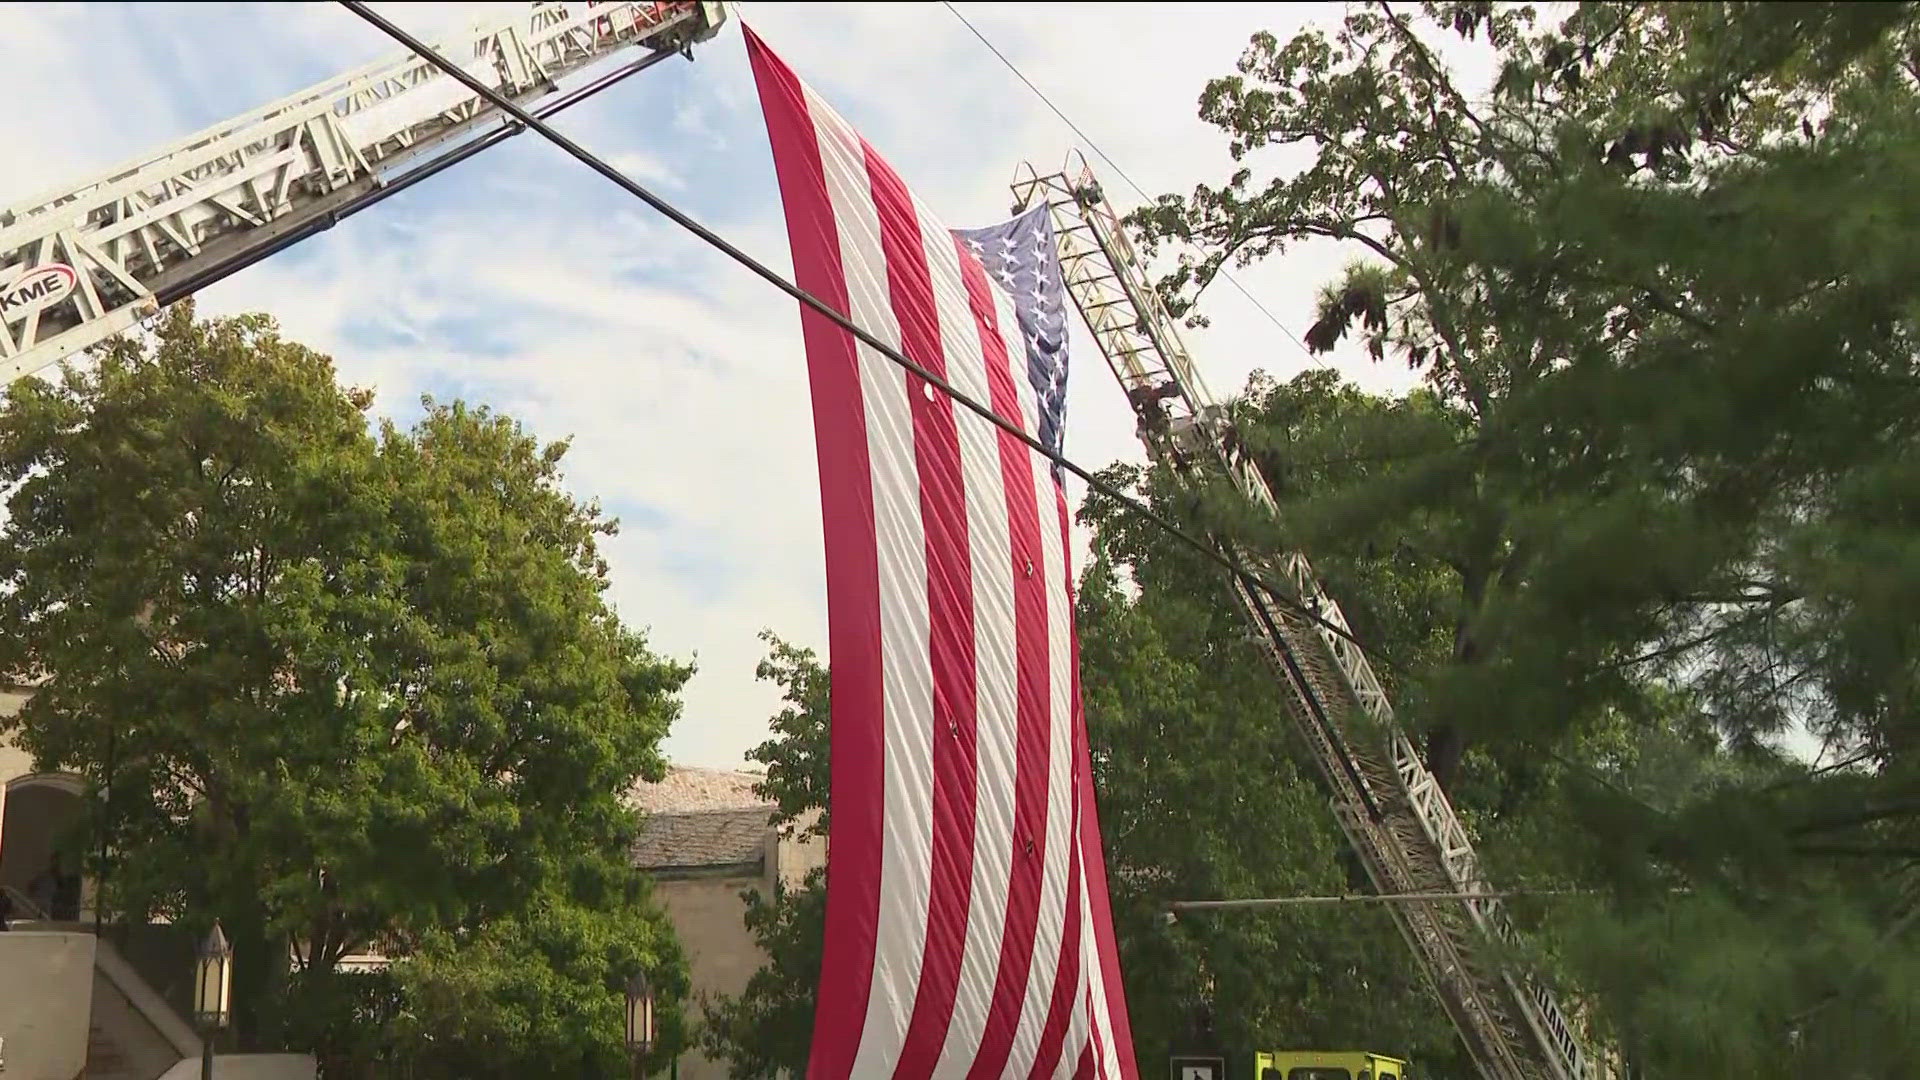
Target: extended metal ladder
<point>1391,809</point>
<point>89,260</point>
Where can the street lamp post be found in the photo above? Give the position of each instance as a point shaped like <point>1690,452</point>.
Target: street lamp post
<point>212,993</point>
<point>639,1018</point>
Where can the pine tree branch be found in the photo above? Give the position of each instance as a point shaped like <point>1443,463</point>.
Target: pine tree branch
<point>1861,851</point>
<point>1665,652</point>
<point>1337,232</point>
<point>1419,49</point>
<point>1853,819</point>
<point>1900,925</point>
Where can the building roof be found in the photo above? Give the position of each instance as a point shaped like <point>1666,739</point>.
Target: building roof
<point>686,789</point>
<point>701,839</point>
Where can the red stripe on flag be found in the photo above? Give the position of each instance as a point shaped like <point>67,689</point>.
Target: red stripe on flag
<point>1066,987</point>
<point>943,513</point>
<point>1030,649</point>
<point>1069,975</point>
<point>1088,1067</point>
<point>1105,946</point>
<point>853,588</point>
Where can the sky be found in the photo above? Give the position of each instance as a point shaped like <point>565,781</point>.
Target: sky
<point>522,280</point>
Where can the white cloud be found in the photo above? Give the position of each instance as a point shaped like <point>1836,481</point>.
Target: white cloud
<point>647,168</point>
<point>530,284</point>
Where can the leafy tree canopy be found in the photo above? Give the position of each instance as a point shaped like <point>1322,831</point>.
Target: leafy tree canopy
<point>337,686</point>
<point>1655,494</point>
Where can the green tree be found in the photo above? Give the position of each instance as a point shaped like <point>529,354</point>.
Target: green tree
<point>1658,279</point>
<point>1204,795</point>
<point>766,1032</point>
<point>529,993</point>
<point>343,689</point>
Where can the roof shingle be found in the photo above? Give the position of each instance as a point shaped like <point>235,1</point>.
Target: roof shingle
<point>702,838</point>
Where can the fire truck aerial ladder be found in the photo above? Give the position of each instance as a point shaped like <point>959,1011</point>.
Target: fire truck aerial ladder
<point>1392,811</point>
<point>83,263</point>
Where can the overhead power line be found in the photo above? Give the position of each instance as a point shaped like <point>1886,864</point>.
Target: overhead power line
<point>820,307</point>
<point>1122,174</point>
<point>1178,906</point>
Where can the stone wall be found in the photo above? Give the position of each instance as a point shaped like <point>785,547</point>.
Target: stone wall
<point>707,915</point>
<point>46,1000</point>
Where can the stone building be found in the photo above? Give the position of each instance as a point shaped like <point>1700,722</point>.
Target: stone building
<point>708,838</point>
<point>78,998</point>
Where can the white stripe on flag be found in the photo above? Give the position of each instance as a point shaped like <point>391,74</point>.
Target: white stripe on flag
<point>1096,987</point>
<point>1078,1020</point>
<point>989,534</point>
<point>906,859</point>
<point>1061,844</point>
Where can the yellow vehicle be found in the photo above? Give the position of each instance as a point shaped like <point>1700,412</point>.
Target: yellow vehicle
<point>1327,1065</point>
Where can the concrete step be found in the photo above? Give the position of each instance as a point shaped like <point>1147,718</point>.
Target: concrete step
<point>130,1027</point>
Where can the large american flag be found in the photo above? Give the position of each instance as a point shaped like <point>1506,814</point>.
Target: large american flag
<point>968,928</point>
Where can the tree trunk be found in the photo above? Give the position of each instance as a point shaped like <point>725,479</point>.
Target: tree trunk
<point>260,971</point>
<point>1445,743</point>
<point>1445,747</point>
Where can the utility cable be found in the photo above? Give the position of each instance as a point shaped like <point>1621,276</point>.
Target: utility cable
<point>808,300</point>
<point>1122,174</point>
<point>1178,906</point>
